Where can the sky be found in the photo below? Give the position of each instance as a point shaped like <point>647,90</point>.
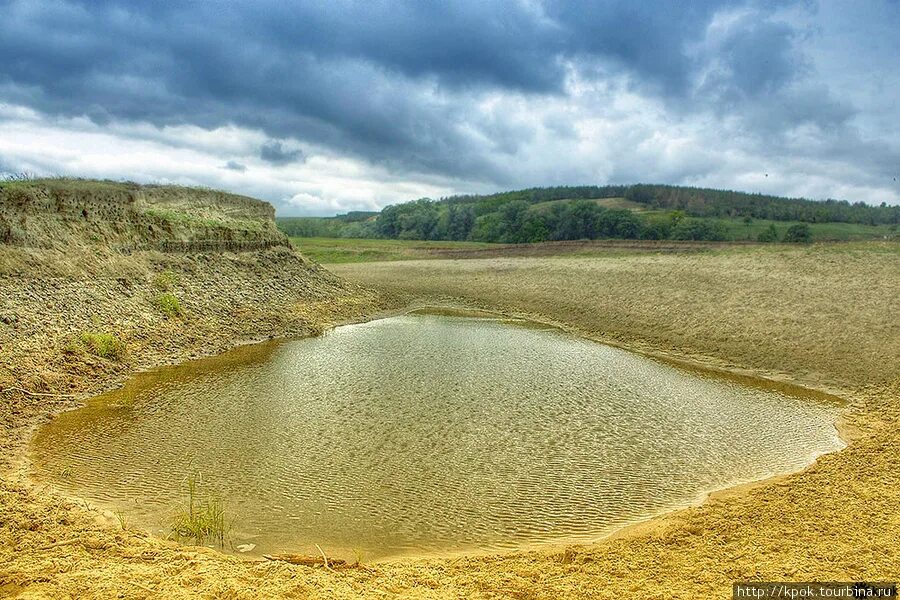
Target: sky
<point>332,106</point>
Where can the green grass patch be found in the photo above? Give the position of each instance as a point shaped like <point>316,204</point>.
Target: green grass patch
<point>104,345</point>
<point>742,230</point>
<point>201,520</point>
<point>169,304</point>
<point>166,281</point>
<point>354,250</point>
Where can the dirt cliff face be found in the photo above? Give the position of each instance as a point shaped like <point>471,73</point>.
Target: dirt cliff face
<point>128,217</point>
<point>100,279</point>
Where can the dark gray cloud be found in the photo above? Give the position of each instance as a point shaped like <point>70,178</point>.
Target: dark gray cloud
<point>753,58</point>
<point>754,69</point>
<point>274,152</point>
<point>646,38</point>
<point>345,74</point>
<point>405,85</point>
<point>233,165</point>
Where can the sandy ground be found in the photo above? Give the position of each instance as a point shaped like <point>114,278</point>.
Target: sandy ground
<point>825,317</point>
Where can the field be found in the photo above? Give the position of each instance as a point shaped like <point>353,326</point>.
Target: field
<point>351,250</point>
<point>810,311</point>
<point>348,250</point>
<point>333,251</point>
<point>739,230</point>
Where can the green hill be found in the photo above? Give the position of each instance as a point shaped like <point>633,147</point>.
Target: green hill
<point>640,211</point>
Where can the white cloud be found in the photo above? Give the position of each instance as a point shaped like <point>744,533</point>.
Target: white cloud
<point>325,184</point>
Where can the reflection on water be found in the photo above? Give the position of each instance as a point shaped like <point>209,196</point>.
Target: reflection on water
<point>426,433</point>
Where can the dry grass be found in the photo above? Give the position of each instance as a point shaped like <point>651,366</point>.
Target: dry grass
<point>825,316</point>
<point>822,314</point>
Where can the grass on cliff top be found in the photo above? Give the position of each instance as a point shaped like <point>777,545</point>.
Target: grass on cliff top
<point>80,184</point>
<point>75,183</point>
<point>172,214</point>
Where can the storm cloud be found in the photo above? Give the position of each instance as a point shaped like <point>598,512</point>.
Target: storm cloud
<point>233,165</point>
<point>344,105</point>
<point>275,153</point>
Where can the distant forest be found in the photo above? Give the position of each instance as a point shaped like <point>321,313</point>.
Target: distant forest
<point>654,212</point>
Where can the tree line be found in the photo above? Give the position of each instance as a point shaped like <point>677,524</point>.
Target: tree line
<point>572,213</point>
<point>703,202</point>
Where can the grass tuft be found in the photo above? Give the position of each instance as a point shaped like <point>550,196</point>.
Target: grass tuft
<point>104,345</point>
<point>166,281</point>
<point>169,304</point>
<point>201,520</point>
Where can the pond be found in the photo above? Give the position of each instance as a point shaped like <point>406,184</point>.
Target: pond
<point>425,434</point>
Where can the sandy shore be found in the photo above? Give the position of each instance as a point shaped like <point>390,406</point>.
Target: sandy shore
<point>822,318</point>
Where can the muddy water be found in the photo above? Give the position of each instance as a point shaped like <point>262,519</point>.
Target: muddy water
<point>421,434</point>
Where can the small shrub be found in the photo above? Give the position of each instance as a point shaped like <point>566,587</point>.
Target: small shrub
<point>169,304</point>
<point>104,345</point>
<point>200,520</point>
<point>699,230</point>
<point>166,281</point>
<point>798,234</point>
<point>768,235</point>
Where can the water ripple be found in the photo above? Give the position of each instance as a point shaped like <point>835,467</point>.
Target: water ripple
<point>423,433</point>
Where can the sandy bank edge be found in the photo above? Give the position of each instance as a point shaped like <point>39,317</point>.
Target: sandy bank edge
<point>23,470</point>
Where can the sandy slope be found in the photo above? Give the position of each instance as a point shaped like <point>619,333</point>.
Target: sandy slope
<point>823,314</point>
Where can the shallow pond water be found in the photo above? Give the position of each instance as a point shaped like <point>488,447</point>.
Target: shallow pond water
<point>420,434</point>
